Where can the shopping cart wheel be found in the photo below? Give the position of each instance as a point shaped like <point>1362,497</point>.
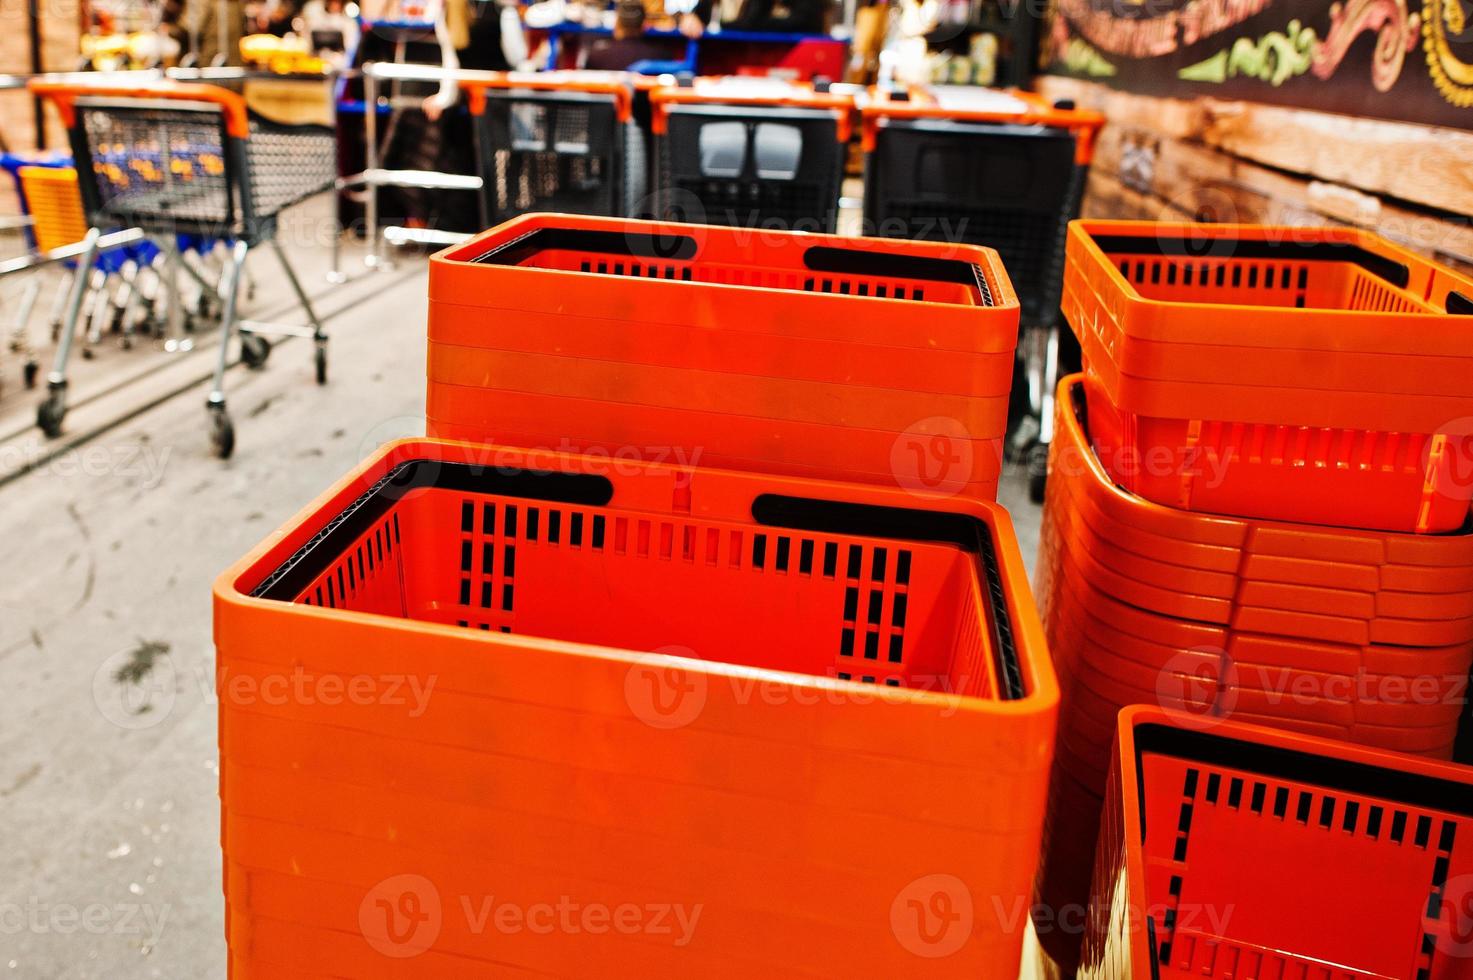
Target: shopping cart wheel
<point>254,349</point>
<point>1037,472</point>
<point>51,412</point>
<point>222,431</point>
<point>30,371</point>
<point>321,359</point>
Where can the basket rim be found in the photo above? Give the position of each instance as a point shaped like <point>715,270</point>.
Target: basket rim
<point>1085,234</point>
<point>1040,694</point>
<point>986,260</point>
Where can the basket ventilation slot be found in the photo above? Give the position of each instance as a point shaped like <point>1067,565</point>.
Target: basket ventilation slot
<point>369,566</point>
<point>737,276</point>
<point>871,640</point>
<point>1202,955</point>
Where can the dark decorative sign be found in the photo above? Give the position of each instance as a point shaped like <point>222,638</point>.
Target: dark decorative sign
<point>1395,59</point>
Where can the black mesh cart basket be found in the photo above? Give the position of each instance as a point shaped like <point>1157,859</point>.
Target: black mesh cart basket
<point>180,159</point>
<point>750,152</point>
<point>1005,169</point>
<point>563,141</point>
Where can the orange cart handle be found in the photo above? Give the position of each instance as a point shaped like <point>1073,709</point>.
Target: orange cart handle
<point>548,82</point>
<point>1085,124</point>
<point>65,94</point>
<point>662,98</point>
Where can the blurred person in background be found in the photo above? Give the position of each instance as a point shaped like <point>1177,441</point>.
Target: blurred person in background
<point>474,35</point>
<point>629,44</point>
<point>762,16</point>
<point>274,17</point>
<point>478,35</point>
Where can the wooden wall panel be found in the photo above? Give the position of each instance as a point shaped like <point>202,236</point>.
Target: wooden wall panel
<point>1174,159</point>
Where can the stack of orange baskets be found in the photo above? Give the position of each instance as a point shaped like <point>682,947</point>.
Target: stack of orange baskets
<point>1338,602</point>
<point>650,720</point>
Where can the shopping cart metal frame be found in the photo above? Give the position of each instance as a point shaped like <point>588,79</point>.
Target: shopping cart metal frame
<point>527,116</point>
<point>239,203</point>
<point>1059,137</point>
<point>679,114</point>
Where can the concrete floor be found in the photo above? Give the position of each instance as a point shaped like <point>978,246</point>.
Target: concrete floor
<point>108,796</point>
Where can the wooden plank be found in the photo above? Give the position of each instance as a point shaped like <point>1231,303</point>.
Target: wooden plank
<point>1422,165</point>
<point>1209,185</point>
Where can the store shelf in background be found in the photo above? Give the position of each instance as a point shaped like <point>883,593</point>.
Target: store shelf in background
<point>726,52</point>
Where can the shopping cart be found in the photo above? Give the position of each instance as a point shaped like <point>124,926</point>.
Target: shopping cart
<point>42,232</point>
<point>189,159</point>
<point>751,152</point>
<point>562,141</point>
<point>1002,169</point>
<point>49,194</point>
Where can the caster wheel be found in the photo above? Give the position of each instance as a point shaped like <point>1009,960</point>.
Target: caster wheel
<point>321,360</point>
<point>30,371</point>
<point>222,433</point>
<point>1037,473</point>
<point>254,349</point>
<point>88,353</point>
<point>50,414</point>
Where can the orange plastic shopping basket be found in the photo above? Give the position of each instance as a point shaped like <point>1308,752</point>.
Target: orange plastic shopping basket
<point>1317,581</point>
<point>1319,375</point>
<point>854,359</point>
<point>810,713</point>
<point>55,205</point>
<point>1246,852</point>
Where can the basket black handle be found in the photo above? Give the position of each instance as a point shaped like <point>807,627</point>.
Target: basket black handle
<point>672,246</point>
<point>1380,266</point>
<point>877,521</point>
